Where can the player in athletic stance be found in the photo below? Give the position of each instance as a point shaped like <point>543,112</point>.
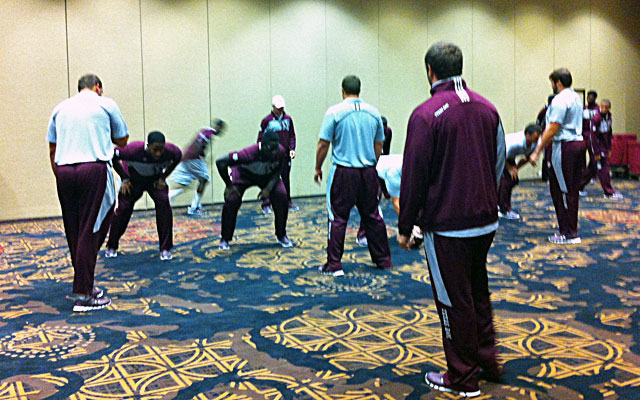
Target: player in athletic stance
<point>518,144</point>
<point>258,165</point>
<point>144,168</point>
<point>194,167</point>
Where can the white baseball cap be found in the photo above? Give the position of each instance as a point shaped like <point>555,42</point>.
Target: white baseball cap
<point>278,101</point>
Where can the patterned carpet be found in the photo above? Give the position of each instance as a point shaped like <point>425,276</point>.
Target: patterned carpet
<point>259,322</point>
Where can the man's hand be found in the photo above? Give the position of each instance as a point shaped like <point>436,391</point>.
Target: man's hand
<point>597,157</point>
<point>533,158</point>
<point>160,184</point>
<point>264,194</point>
<point>126,187</point>
<point>230,190</point>
<point>317,176</point>
<point>292,154</point>
<point>513,171</point>
<point>404,242</point>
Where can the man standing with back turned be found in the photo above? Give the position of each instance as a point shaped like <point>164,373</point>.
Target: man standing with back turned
<point>564,129</point>
<point>354,129</point>
<point>453,158</point>
<point>81,134</point>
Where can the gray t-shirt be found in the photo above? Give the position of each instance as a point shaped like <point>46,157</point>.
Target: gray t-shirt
<point>566,110</point>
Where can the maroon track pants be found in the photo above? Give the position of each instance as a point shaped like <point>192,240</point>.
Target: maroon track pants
<point>458,273</point>
<point>566,204</point>
<point>81,188</point>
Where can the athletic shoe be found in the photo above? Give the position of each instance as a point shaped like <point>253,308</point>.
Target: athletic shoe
<point>362,241</point>
<point>224,245</point>
<point>614,196</point>
<point>91,304</point>
<point>510,215</point>
<point>165,255</point>
<point>583,193</point>
<point>293,207</point>
<point>267,210</point>
<point>437,381</point>
<point>111,253</point>
<point>97,293</point>
<point>326,270</point>
<point>196,211</point>
<point>285,241</point>
<point>557,238</point>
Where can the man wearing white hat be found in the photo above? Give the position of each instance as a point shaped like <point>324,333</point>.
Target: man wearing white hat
<point>287,136</point>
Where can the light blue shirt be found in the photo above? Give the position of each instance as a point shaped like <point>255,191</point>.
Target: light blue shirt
<point>390,170</point>
<point>517,145</point>
<point>82,127</point>
<point>352,127</point>
<point>566,110</point>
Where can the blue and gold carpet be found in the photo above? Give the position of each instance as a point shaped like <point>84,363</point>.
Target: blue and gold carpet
<point>259,322</point>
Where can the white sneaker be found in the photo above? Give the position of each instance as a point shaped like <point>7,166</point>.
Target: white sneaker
<point>165,255</point>
<point>285,242</point>
<point>362,241</point>
<point>196,211</point>
<point>615,196</point>
<point>224,245</point>
<point>111,253</point>
<point>583,193</point>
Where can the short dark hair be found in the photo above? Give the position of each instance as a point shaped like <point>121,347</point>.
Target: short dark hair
<point>155,137</point>
<point>88,81</point>
<point>550,98</point>
<point>532,128</point>
<point>351,84</point>
<point>445,60</point>
<point>563,75</point>
<point>384,120</point>
<point>606,101</point>
<point>592,92</point>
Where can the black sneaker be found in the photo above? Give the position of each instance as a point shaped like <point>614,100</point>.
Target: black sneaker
<point>437,381</point>
<point>91,304</point>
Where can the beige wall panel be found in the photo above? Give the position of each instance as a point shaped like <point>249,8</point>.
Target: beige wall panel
<point>33,79</point>
<point>111,50</point>
<point>533,59</point>
<point>403,78</point>
<point>352,48</point>
<point>298,71</point>
<point>452,21</point>
<point>493,56</point>
<point>572,40</point>
<point>240,73</point>
<point>175,71</point>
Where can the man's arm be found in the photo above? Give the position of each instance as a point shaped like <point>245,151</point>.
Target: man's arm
<point>177,156</point>
<point>222,164</point>
<point>121,142</point>
<point>292,139</point>
<point>377,147</point>
<point>52,156</point>
<point>321,154</point>
<point>547,137</point>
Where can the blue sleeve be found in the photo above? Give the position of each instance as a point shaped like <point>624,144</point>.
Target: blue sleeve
<point>556,113</point>
<point>379,131</point>
<point>119,128</point>
<point>328,129</point>
<point>51,130</point>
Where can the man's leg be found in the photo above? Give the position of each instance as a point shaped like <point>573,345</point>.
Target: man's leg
<point>341,199</point>
<point>122,214</point>
<point>164,216</point>
<point>590,171</point>
<point>450,264</point>
<point>230,212</point>
<point>367,200</point>
<point>604,176</point>
<point>69,203</point>
<point>504,191</point>
<point>558,202</point>
<point>91,180</point>
<point>280,204</point>
<point>286,175</point>
<point>572,168</point>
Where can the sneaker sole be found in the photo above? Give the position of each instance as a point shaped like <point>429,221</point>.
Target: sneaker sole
<point>90,308</point>
<point>448,390</point>
<point>333,273</point>
<point>111,256</point>
<point>285,245</point>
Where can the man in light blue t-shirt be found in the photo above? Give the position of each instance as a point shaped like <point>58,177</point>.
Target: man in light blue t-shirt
<point>354,130</point>
<point>564,129</point>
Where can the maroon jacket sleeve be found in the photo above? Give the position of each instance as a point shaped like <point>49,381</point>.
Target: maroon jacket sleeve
<point>418,152</point>
<point>175,155</point>
<point>292,135</point>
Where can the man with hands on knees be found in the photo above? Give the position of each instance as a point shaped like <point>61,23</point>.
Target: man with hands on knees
<point>258,165</point>
<point>145,167</point>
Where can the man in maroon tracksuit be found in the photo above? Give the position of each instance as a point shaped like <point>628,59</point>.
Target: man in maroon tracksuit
<point>599,147</point>
<point>287,137</point>
<point>453,157</point>
<point>590,110</point>
<point>145,167</point>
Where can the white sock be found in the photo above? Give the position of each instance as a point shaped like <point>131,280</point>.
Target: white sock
<point>196,201</point>
<point>174,192</point>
